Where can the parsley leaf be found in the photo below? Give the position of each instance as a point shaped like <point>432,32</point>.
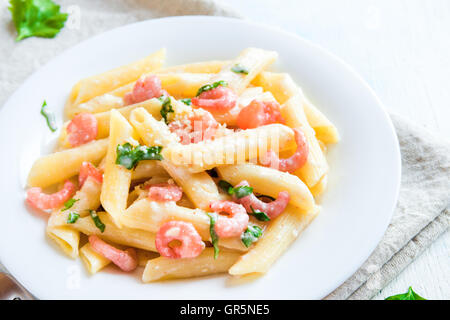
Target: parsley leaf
<point>410,295</point>
<point>98,223</point>
<point>69,204</point>
<point>129,156</point>
<point>208,87</point>
<point>73,217</point>
<point>251,235</point>
<point>187,101</point>
<point>166,108</point>
<point>261,216</point>
<point>36,18</point>
<point>239,69</point>
<point>214,237</point>
<point>238,192</point>
<point>49,117</point>
<point>225,186</point>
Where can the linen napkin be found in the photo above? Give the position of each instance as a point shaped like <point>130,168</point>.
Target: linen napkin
<point>422,213</point>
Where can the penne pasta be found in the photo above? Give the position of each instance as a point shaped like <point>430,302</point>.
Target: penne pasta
<point>92,260</point>
<point>164,268</point>
<point>213,66</point>
<point>66,238</point>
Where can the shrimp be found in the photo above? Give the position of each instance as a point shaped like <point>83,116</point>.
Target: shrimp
<point>144,89</point>
<point>233,225</point>
<point>291,164</point>
<point>165,192</point>
<point>87,169</point>
<point>124,259</point>
<point>82,129</point>
<point>220,99</point>
<point>39,200</point>
<point>259,113</point>
<point>191,242</point>
<point>272,209</point>
<point>201,126</point>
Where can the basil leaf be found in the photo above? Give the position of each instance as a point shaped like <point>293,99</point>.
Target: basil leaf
<point>98,223</point>
<point>242,191</point>
<point>239,69</point>
<point>187,101</point>
<point>208,87</point>
<point>410,295</point>
<point>49,117</point>
<point>69,204</point>
<point>251,235</point>
<point>225,186</point>
<point>36,18</point>
<point>73,217</point>
<point>129,156</point>
<point>262,196</point>
<point>261,216</point>
<point>214,237</point>
<point>166,108</point>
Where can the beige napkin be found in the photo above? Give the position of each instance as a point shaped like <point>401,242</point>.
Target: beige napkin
<point>420,216</point>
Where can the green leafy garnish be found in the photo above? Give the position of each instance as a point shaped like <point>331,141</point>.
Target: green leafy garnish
<point>239,69</point>
<point>36,18</point>
<point>98,223</point>
<point>225,186</point>
<point>214,237</point>
<point>262,196</point>
<point>238,192</point>
<point>410,295</point>
<point>251,235</point>
<point>49,117</point>
<point>129,156</point>
<point>69,204</point>
<point>208,87</point>
<point>166,108</point>
<point>261,216</point>
<point>187,101</point>
<point>73,217</point>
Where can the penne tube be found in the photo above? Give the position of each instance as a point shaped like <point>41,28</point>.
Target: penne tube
<point>275,240</point>
<point>164,268</point>
<point>144,256</point>
<point>200,188</point>
<point>320,187</point>
<point>213,66</point>
<point>116,178</point>
<point>150,215</point>
<point>234,148</point>
<point>59,166</point>
<point>316,165</point>
<point>147,169</point>
<point>260,178</point>
<point>66,238</point>
<point>92,260</point>
<point>97,85</point>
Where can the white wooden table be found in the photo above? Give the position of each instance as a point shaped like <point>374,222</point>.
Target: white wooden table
<point>402,49</point>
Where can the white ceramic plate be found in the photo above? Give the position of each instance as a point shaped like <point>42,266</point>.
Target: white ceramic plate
<point>363,182</point>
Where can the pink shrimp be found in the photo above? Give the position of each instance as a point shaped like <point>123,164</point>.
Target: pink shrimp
<point>144,89</point>
<point>233,225</point>
<point>39,200</point>
<point>165,192</point>
<point>220,99</point>
<point>87,169</point>
<point>191,242</point>
<point>82,129</point>
<point>124,259</point>
<point>291,164</point>
<point>272,209</point>
<point>201,126</point>
<point>259,113</point>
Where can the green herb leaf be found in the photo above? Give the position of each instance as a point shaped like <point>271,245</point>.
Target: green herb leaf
<point>225,186</point>
<point>36,18</point>
<point>73,217</point>
<point>49,117</point>
<point>410,295</point>
<point>239,69</point>
<point>241,191</point>
<point>261,216</point>
<point>187,101</point>
<point>262,196</point>
<point>251,235</point>
<point>214,237</point>
<point>98,223</point>
<point>129,156</point>
<point>208,87</point>
<point>69,204</point>
<point>166,108</point>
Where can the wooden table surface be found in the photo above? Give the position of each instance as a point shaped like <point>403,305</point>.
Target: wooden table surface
<point>402,49</point>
